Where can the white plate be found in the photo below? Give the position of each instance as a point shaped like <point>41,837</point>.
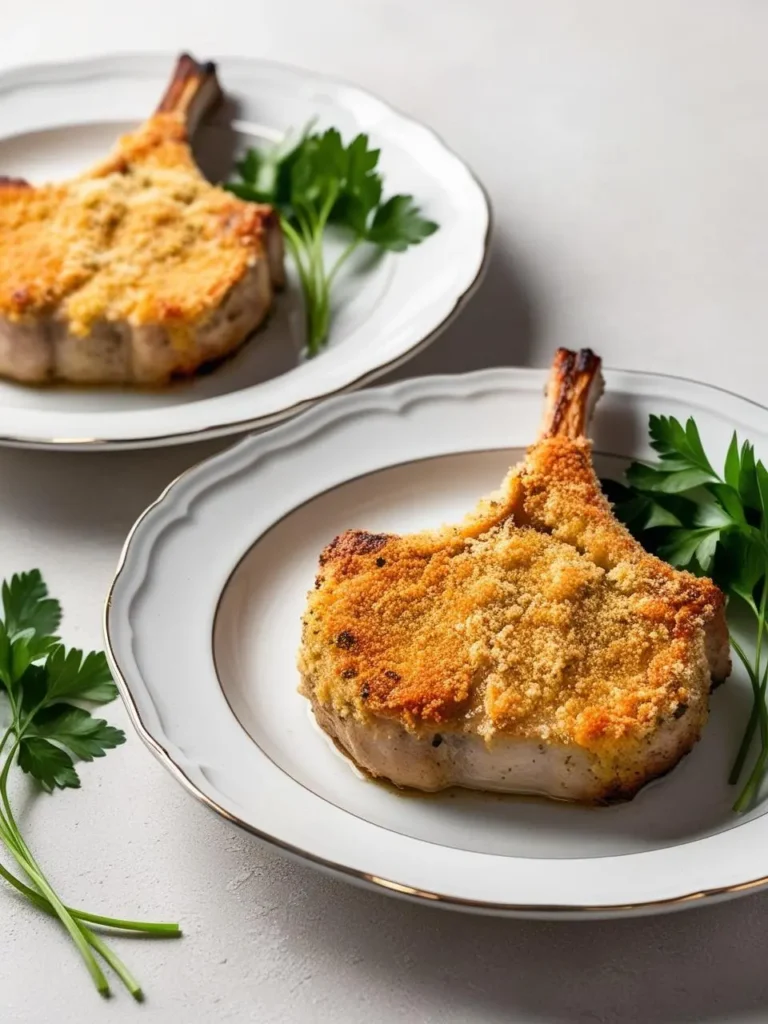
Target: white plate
<point>204,647</point>
<point>56,120</point>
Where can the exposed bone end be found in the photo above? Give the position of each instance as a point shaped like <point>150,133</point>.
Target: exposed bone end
<point>574,386</point>
<point>193,90</point>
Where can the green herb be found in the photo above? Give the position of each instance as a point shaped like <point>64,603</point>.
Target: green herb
<point>694,518</point>
<point>39,680</point>
<point>317,181</point>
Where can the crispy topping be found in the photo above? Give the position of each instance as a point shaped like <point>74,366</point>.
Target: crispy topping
<point>540,617</point>
<point>143,238</point>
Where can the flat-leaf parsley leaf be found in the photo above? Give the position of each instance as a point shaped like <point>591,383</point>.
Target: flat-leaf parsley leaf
<point>317,181</point>
<point>688,514</point>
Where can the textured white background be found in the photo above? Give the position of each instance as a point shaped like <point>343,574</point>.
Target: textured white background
<point>625,147</point>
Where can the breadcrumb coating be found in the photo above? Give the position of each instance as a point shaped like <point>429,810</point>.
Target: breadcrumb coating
<point>539,617</point>
<point>142,238</point>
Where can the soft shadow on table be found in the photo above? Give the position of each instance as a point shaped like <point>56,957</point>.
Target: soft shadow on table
<point>92,498</point>
<point>497,327</point>
<point>704,964</point>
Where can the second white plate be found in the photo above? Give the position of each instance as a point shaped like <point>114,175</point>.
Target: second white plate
<point>58,119</point>
<point>204,651</point>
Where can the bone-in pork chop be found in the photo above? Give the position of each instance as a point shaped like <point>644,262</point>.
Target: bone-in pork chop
<point>534,648</point>
<point>139,270</point>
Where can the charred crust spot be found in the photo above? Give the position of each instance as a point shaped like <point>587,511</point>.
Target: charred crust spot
<point>585,359</point>
<point>437,739</point>
<point>380,562</point>
<point>170,311</point>
<point>345,640</point>
<point>349,673</point>
<point>6,182</point>
<point>680,710</point>
<point>392,675</point>
<point>365,691</point>
<point>270,219</point>
<point>21,297</point>
<point>353,542</point>
<point>329,552</point>
<point>367,543</point>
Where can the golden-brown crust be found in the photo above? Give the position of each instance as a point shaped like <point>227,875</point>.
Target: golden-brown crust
<point>540,617</point>
<point>141,238</point>
<point>383,631</point>
<point>98,249</point>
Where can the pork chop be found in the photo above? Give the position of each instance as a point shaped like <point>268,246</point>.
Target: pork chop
<point>534,648</point>
<point>139,270</point>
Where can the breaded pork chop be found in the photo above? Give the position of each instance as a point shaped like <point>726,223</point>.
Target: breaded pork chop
<point>139,270</point>
<point>534,648</point>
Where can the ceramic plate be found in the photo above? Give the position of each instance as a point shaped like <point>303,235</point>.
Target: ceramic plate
<point>204,650</point>
<point>56,120</point>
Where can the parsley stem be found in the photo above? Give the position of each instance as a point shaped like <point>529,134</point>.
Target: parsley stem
<point>757,714</point>
<point>305,227</point>
<point>27,861</point>
<point>759,711</point>
<point>75,932</point>
<point>297,246</point>
<point>48,901</point>
<point>761,631</point>
<point>748,794</point>
<point>4,739</point>
<point>114,961</point>
<point>160,928</point>
<point>31,894</point>
<point>306,245</point>
<point>341,260</point>
<point>38,673</point>
<point>8,823</point>
<point>90,937</point>
<point>321,309</point>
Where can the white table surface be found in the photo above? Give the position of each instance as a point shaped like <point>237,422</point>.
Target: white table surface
<point>625,148</point>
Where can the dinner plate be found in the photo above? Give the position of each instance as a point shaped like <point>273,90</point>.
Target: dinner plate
<point>202,628</point>
<point>56,120</point>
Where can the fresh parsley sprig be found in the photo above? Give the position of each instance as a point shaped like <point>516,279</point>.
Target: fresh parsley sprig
<point>44,686</point>
<point>696,519</point>
<point>316,181</point>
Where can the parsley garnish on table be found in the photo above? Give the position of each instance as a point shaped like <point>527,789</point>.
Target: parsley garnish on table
<point>715,525</point>
<point>317,181</point>
<point>45,687</point>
